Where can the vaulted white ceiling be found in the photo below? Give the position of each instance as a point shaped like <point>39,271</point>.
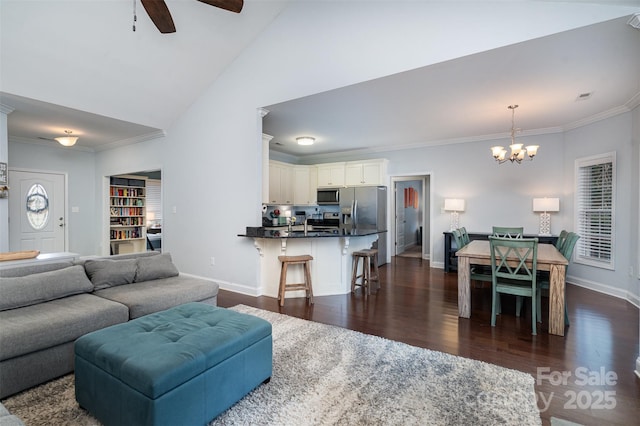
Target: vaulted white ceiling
<point>468,98</point>
<point>78,65</point>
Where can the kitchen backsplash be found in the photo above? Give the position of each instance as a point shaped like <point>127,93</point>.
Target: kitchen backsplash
<point>300,212</point>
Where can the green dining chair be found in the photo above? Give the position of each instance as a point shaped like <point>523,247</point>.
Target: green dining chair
<point>519,279</point>
<point>561,239</point>
<point>567,251</point>
<point>465,236</point>
<point>507,232</point>
<point>477,273</point>
<point>457,237</point>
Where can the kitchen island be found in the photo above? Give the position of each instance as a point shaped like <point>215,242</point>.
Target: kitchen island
<point>331,251</point>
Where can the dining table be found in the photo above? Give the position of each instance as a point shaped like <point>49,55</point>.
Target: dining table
<point>478,252</point>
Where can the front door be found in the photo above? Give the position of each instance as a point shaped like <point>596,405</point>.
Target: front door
<point>36,211</point>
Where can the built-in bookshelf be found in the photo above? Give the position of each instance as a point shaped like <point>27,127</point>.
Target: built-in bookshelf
<point>127,204</point>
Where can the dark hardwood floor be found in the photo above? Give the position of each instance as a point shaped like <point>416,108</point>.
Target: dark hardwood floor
<point>418,305</point>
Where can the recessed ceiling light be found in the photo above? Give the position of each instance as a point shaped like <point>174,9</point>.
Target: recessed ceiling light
<point>584,96</point>
<point>305,140</point>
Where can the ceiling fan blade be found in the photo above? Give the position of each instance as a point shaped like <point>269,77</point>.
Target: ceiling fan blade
<point>160,15</point>
<point>230,5</point>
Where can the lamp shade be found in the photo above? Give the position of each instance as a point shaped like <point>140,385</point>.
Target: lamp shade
<point>546,204</point>
<point>454,205</point>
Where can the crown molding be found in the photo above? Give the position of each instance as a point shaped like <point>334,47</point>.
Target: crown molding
<point>49,144</point>
<point>130,141</point>
<point>596,117</point>
<point>6,109</point>
<point>633,102</point>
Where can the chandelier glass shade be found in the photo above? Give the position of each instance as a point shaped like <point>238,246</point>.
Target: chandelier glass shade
<point>518,153</point>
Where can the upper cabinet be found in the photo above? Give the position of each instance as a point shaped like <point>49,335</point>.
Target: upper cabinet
<point>305,183</point>
<point>297,185</point>
<point>330,175</point>
<point>280,183</point>
<point>372,172</point>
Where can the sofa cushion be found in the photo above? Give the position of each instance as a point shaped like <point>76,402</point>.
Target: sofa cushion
<point>155,267</point>
<point>52,323</point>
<point>37,288</point>
<point>35,268</point>
<point>157,295</point>
<point>106,273</point>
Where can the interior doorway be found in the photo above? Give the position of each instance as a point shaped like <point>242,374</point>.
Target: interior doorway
<point>410,224</point>
<point>135,212</point>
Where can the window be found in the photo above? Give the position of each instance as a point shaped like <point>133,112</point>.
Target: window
<point>37,203</point>
<point>595,202</point>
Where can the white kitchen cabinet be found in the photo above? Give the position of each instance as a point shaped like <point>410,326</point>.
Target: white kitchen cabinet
<point>365,172</point>
<point>330,175</point>
<point>304,185</point>
<point>280,183</point>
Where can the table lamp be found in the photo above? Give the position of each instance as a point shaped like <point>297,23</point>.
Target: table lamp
<point>546,205</point>
<point>454,205</point>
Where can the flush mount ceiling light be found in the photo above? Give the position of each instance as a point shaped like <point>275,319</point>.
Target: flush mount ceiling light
<point>67,140</point>
<point>517,152</point>
<point>305,140</point>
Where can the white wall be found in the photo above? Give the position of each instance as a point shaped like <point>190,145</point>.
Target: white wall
<point>613,134</point>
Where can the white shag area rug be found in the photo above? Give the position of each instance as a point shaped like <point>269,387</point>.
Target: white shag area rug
<point>327,375</point>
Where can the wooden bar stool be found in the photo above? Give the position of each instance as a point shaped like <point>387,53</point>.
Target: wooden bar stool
<point>368,256</point>
<point>306,285</point>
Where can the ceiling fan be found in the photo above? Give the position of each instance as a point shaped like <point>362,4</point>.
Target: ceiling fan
<point>161,17</point>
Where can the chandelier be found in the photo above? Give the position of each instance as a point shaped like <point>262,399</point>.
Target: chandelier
<point>517,152</point>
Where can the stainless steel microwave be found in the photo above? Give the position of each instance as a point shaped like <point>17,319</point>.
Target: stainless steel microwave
<point>328,196</point>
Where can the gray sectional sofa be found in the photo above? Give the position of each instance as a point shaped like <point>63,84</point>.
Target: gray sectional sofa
<point>44,308</point>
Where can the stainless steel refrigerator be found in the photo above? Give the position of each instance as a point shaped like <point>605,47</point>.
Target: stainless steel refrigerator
<point>365,207</point>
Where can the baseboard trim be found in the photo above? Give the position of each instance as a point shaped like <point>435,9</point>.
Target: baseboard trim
<point>225,285</point>
<point>605,289</point>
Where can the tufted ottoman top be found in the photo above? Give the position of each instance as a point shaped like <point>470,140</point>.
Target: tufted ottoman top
<point>156,353</point>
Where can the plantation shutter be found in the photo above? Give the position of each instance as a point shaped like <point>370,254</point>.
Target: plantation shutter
<point>154,201</point>
<point>595,191</point>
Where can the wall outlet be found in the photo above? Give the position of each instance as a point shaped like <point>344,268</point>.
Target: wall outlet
<point>213,261</point>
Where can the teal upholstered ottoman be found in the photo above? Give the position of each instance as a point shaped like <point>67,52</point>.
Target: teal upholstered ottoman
<point>182,366</point>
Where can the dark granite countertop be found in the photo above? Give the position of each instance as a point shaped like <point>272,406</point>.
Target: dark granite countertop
<point>276,234</point>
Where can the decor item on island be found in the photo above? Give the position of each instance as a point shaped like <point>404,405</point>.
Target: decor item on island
<point>546,205</point>
<point>517,152</point>
<point>324,374</point>
<point>454,205</point>
<point>67,140</point>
